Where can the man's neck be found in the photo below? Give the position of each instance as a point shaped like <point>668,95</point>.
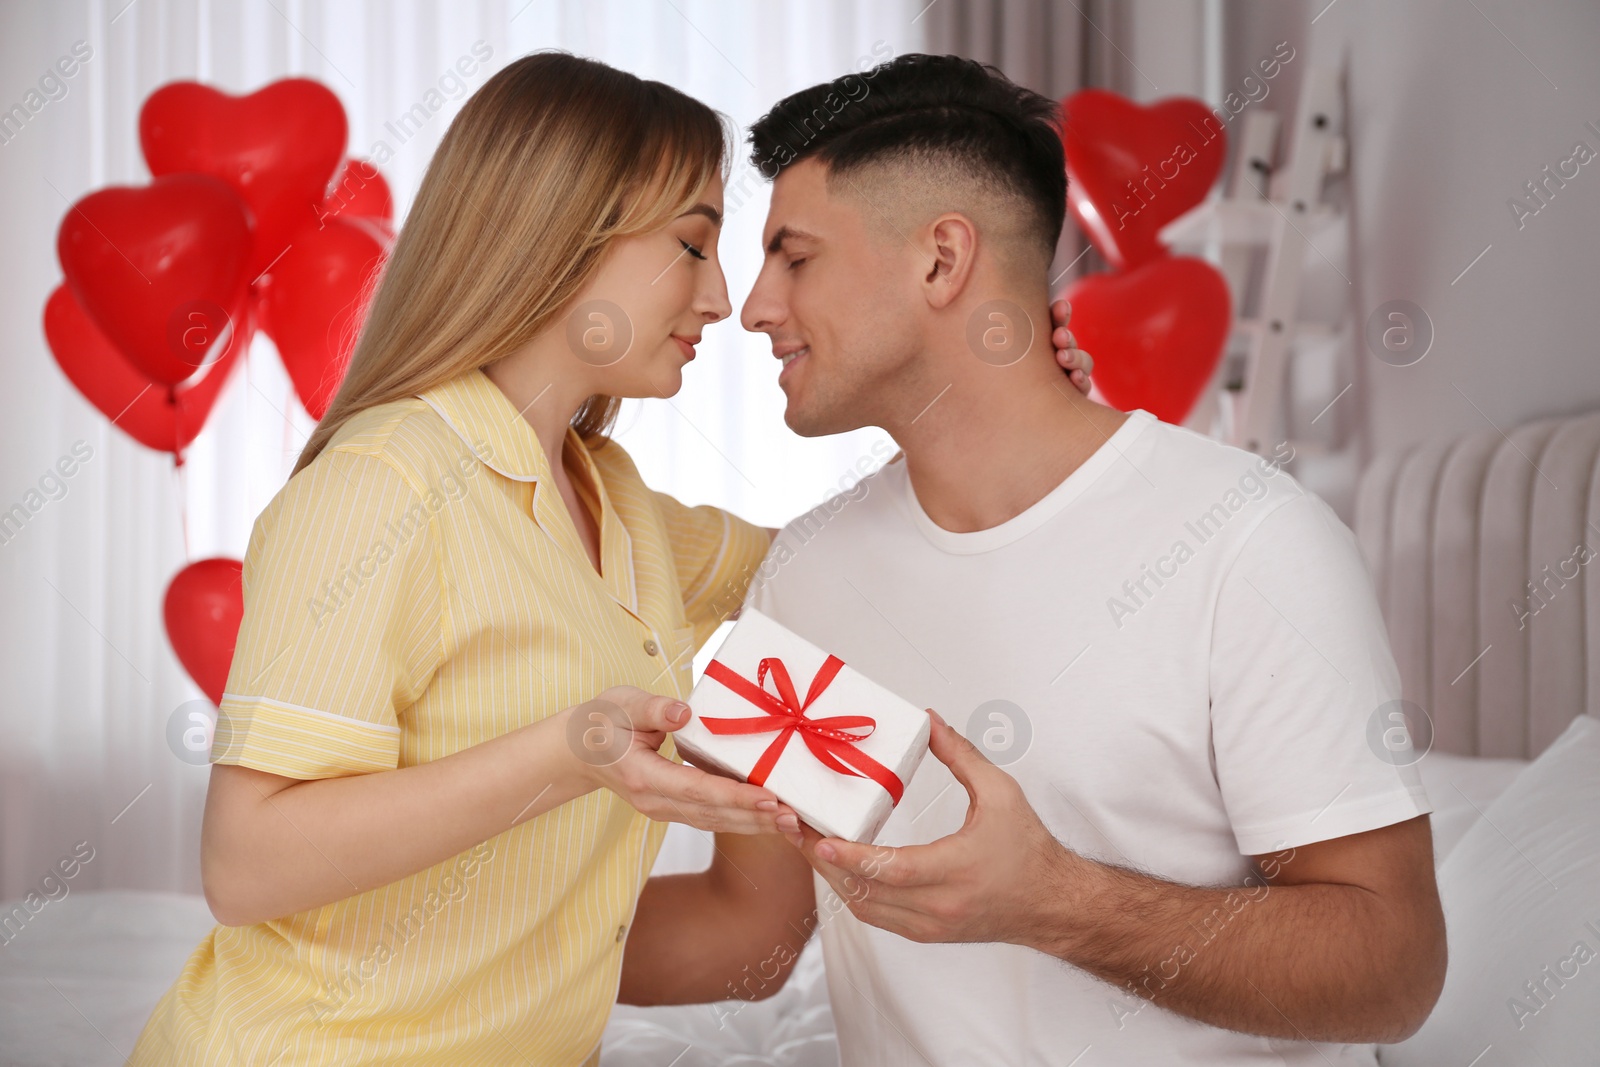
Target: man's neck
<point>998,440</point>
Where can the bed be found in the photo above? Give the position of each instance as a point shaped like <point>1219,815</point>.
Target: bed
<point>78,982</point>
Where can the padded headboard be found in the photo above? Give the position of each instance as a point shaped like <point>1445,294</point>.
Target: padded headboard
<point>1485,552</point>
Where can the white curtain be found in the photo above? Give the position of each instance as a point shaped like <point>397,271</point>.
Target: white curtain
<point>89,680</point>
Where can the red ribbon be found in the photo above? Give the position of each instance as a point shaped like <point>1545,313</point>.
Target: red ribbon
<point>828,739</point>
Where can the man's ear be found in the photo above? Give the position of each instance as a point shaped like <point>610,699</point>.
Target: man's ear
<point>955,248</point>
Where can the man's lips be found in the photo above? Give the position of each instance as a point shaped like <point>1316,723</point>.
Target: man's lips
<point>790,355</point>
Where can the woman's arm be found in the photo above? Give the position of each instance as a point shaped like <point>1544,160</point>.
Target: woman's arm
<point>272,846</point>
<point>732,932</point>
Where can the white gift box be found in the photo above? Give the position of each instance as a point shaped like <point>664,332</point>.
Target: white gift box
<point>833,745</point>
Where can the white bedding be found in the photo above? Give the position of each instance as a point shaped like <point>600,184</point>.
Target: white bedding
<point>79,979</point>
<point>794,1028</point>
<point>77,982</point>
<point>1461,788</point>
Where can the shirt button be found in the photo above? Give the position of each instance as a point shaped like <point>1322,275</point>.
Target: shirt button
<point>622,931</point>
<point>650,648</point>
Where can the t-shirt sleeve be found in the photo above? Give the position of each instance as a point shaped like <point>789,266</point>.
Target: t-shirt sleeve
<point>341,629</point>
<point>1303,689</point>
<point>715,553</point>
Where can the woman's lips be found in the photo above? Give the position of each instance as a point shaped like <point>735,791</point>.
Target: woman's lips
<point>684,346</point>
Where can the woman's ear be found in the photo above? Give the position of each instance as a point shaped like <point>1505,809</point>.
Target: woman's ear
<point>955,246</point>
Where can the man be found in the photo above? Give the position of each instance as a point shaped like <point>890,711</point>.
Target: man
<point>1176,839</point>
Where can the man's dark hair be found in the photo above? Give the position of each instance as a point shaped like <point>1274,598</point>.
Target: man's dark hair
<point>957,111</point>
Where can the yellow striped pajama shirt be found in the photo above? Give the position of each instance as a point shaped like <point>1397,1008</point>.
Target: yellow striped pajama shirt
<point>419,588</point>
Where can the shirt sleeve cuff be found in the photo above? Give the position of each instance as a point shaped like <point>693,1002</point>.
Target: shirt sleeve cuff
<point>1336,820</point>
<point>299,742</point>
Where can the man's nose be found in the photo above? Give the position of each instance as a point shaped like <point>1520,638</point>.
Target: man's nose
<point>758,314</point>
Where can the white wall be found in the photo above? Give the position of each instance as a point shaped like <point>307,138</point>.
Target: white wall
<point>1453,107</point>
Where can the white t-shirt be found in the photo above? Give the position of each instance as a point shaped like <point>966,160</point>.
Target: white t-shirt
<point>1178,654</point>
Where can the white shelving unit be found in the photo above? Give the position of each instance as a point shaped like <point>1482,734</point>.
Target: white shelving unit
<point>1278,213</point>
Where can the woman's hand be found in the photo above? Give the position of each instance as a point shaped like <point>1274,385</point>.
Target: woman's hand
<point>1075,361</point>
<point>616,737</point>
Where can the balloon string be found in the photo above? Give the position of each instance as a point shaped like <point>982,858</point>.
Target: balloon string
<point>183,510</point>
<point>179,468</point>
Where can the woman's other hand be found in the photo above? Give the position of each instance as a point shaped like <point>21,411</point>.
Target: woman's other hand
<point>1075,361</point>
<point>616,739</point>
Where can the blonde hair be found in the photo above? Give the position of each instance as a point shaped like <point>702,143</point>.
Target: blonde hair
<point>550,160</point>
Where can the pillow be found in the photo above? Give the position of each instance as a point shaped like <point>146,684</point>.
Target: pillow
<point>1460,789</point>
<point>1521,897</point>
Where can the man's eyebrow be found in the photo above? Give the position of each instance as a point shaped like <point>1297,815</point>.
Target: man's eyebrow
<point>787,233</point>
<point>708,211</point>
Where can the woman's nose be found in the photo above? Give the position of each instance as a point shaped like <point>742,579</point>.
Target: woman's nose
<point>714,304</point>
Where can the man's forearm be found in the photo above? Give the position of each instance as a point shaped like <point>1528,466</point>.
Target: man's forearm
<point>1310,962</point>
<point>731,932</point>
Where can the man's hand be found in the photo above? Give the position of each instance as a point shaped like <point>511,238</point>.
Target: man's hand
<point>978,884</point>
<point>1075,361</point>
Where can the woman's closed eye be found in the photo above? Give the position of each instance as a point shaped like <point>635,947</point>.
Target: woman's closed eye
<point>691,249</point>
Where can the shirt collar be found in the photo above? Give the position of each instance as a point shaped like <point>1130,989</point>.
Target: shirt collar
<point>482,416</point>
<point>496,432</point>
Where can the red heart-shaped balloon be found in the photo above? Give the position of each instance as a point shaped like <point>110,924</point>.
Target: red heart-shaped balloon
<point>156,268</point>
<point>360,190</point>
<point>1156,332</point>
<point>277,147</point>
<point>203,608</point>
<point>165,418</point>
<point>1131,169</point>
<point>313,301</point>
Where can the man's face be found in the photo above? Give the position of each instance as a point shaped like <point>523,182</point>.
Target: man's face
<point>837,297</point>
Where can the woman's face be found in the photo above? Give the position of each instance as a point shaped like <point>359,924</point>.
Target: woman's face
<point>636,323</point>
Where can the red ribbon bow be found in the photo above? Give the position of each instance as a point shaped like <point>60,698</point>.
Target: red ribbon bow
<point>828,739</point>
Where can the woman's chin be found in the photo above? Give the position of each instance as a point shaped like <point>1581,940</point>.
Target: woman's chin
<point>662,382</point>
<point>670,381</point>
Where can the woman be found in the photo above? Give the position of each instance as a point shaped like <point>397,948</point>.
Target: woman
<point>440,766</point>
